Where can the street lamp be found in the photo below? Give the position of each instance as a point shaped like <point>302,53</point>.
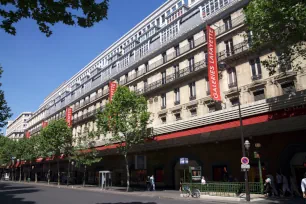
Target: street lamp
<point>257,155</point>
<point>247,145</point>
<point>243,144</point>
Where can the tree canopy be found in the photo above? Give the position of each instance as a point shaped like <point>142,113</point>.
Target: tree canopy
<point>282,25</point>
<point>48,13</point>
<point>124,122</point>
<point>5,111</point>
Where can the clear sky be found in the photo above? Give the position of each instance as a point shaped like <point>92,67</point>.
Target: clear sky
<point>35,65</point>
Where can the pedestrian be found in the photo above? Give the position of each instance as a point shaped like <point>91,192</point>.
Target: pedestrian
<point>152,183</point>
<point>274,191</point>
<point>285,185</point>
<point>181,184</point>
<point>303,187</point>
<point>148,183</point>
<point>203,181</point>
<point>268,188</point>
<point>279,183</point>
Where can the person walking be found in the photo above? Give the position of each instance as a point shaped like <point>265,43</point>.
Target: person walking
<point>274,191</point>
<point>152,183</point>
<point>268,188</point>
<point>148,183</point>
<point>285,185</point>
<point>303,187</point>
<point>279,183</point>
<point>203,181</point>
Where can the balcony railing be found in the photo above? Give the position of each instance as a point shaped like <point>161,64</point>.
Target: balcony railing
<point>238,48</point>
<point>234,22</point>
<point>171,77</point>
<point>256,77</point>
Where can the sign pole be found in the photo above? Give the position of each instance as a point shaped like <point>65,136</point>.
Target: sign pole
<point>260,175</point>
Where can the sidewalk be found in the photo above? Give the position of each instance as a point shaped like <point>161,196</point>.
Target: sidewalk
<point>168,194</point>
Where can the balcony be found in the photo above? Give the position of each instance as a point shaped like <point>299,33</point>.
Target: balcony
<point>234,22</point>
<point>235,53</point>
<point>191,98</point>
<point>256,77</point>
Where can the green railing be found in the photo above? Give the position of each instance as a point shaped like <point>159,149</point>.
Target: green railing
<point>230,189</point>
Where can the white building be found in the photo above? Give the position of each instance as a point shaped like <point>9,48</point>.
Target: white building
<point>16,128</point>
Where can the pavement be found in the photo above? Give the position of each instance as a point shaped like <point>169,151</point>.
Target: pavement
<point>42,193</point>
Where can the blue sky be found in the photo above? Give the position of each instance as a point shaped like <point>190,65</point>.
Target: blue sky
<point>35,65</point>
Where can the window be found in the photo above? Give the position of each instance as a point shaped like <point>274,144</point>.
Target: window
<point>146,66</point>
<point>191,43</point>
<point>163,77</point>
<point>179,4</point>
<point>163,119</point>
<point>206,57</point>
<point>207,88</point>
<point>140,162</point>
<point>193,112</point>
<point>229,47</point>
<point>177,96</point>
<point>176,71</point>
<point>235,101</point>
<point>288,88</point>
<point>168,13</point>
<point>256,69</point>
<point>24,120</point>
<point>177,50</point>
<point>191,64</point>
<point>163,100</point>
<point>211,108</point>
<point>259,95</point>
<point>164,57</point>
<point>163,18</point>
<point>192,90</point>
<point>227,23</point>
<point>173,8</point>
<point>169,33</point>
<point>157,22</point>
<point>177,116</point>
<point>135,88</point>
<point>232,78</point>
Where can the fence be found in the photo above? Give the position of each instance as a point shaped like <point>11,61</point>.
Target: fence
<point>229,189</point>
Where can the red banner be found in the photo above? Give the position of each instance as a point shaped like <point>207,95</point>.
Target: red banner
<point>28,134</point>
<point>69,116</point>
<point>44,124</point>
<point>212,64</point>
<point>112,89</point>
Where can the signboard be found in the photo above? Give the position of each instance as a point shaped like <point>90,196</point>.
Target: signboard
<point>256,155</point>
<point>44,124</point>
<point>245,167</point>
<point>112,89</point>
<point>196,173</point>
<point>212,64</point>
<point>69,116</point>
<point>28,134</point>
<point>183,160</point>
<point>245,160</point>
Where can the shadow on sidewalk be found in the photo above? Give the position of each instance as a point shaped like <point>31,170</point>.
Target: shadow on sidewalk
<point>8,194</point>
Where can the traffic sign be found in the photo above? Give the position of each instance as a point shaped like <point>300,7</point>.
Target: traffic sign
<point>245,160</point>
<point>245,167</point>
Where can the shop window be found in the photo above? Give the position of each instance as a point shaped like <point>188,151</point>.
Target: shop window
<point>140,162</point>
<point>159,175</point>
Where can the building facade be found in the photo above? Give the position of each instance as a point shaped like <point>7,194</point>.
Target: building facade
<point>164,57</point>
<point>16,128</point>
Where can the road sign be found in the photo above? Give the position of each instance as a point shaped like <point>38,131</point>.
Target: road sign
<point>245,167</point>
<point>245,160</point>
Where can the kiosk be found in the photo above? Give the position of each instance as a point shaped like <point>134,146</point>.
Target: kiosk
<point>105,179</point>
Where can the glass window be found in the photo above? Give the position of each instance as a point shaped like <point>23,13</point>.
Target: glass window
<point>163,18</point>
<point>177,116</point>
<point>255,68</point>
<point>163,97</point>
<point>177,50</point>
<point>232,77</point>
<point>259,95</point>
<point>235,101</point>
<point>176,71</point>
<point>177,96</point>
<point>288,88</point>
<point>168,13</point>
<point>227,23</point>
<point>173,8</point>
<point>191,43</point>
<point>191,64</point>
<point>192,89</point>
<point>179,4</point>
<point>163,77</point>
<point>193,112</point>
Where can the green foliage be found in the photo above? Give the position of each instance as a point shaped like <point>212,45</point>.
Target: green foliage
<point>84,152</point>
<point>5,111</point>
<point>6,147</point>
<point>282,25</point>
<point>45,13</point>
<point>56,139</point>
<point>126,118</point>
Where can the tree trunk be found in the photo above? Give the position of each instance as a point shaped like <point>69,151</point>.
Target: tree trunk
<point>48,175</point>
<point>127,173</point>
<point>84,177</point>
<point>68,173</point>
<point>58,173</point>
<point>20,173</point>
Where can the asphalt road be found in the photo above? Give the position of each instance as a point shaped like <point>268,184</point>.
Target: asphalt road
<point>14,193</point>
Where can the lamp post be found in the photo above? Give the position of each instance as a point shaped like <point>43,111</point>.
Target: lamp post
<point>257,155</point>
<point>72,165</point>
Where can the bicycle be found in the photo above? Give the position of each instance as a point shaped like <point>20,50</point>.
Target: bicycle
<point>195,193</point>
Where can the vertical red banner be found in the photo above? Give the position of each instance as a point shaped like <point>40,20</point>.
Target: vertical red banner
<point>112,90</point>
<point>28,134</point>
<point>69,116</point>
<point>212,64</point>
<point>44,124</point>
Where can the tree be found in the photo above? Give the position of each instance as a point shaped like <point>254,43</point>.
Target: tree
<point>56,141</point>
<point>22,149</point>
<point>69,12</point>
<point>124,121</point>
<point>84,152</point>
<point>281,25</point>
<point>5,111</point>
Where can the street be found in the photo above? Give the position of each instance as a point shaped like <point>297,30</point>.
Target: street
<point>14,193</point>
